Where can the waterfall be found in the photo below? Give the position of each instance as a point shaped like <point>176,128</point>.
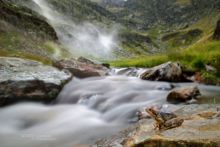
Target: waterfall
<point>84,39</point>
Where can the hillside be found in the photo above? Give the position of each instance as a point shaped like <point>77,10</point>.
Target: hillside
<point>27,34</point>
<point>147,27</point>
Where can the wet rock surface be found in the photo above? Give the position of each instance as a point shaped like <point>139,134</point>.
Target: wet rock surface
<point>27,80</point>
<point>183,94</point>
<point>200,128</point>
<point>82,67</point>
<point>171,72</point>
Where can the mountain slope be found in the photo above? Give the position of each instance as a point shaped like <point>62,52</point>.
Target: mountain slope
<point>26,34</point>
<point>147,26</point>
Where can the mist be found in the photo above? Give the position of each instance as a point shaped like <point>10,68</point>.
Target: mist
<point>81,39</point>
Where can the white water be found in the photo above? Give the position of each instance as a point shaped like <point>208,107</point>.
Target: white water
<point>85,111</point>
<point>84,39</point>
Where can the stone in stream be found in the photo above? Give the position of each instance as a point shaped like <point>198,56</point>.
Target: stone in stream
<point>82,67</point>
<point>183,94</point>
<point>27,80</point>
<point>171,72</point>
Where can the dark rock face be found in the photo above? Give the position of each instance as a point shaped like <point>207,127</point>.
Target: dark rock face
<point>217,31</point>
<point>183,94</point>
<point>27,80</point>
<point>82,68</point>
<point>171,72</point>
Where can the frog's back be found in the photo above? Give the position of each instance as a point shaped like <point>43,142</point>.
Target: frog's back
<point>167,116</point>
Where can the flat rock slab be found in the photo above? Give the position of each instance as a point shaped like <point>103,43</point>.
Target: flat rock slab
<point>23,79</point>
<point>201,127</point>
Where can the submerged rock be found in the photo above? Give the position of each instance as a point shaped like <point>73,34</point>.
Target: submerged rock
<point>27,80</point>
<point>171,72</point>
<point>82,68</point>
<point>183,94</point>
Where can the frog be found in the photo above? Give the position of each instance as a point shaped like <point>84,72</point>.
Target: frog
<point>164,120</point>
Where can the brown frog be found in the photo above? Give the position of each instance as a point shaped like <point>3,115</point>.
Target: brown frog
<point>164,121</point>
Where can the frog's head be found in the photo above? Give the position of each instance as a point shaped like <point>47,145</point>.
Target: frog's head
<point>152,111</point>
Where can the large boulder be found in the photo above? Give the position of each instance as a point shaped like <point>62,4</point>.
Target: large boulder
<point>217,31</point>
<point>171,72</point>
<point>27,80</point>
<point>82,67</point>
<point>201,127</point>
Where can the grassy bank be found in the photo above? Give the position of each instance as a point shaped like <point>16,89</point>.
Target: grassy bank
<point>194,58</point>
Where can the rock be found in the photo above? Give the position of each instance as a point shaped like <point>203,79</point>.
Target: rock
<point>171,72</point>
<point>210,68</point>
<point>27,80</point>
<point>183,94</point>
<point>82,68</point>
<point>216,34</point>
<point>106,65</point>
<point>196,131</point>
<point>84,60</point>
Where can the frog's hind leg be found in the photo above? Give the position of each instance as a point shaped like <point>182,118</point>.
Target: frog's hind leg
<point>156,126</point>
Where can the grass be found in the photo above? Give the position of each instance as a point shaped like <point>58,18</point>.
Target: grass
<point>141,61</point>
<point>196,56</point>
<point>183,2</point>
<point>206,23</point>
<point>18,44</point>
<point>193,58</point>
<point>6,53</point>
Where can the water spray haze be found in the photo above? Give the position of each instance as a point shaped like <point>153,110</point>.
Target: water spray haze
<point>84,39</point>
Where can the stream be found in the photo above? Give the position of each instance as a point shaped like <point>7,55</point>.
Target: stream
<point>87,110</point>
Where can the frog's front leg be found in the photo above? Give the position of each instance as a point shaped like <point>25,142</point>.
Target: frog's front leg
<point>159,123</point>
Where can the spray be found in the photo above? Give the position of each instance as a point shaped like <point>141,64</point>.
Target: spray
<point>84,39</point>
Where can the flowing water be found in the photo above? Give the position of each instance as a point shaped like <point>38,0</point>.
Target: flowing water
<point>85,111</point>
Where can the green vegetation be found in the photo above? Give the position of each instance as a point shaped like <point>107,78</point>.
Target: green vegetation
<point>193,58</point>
<point>18,44</point>
<point>141,61</point>
<point>6,53</point>
<point>199,55</point>
<point>24,34</point>
<point>171,30</point>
